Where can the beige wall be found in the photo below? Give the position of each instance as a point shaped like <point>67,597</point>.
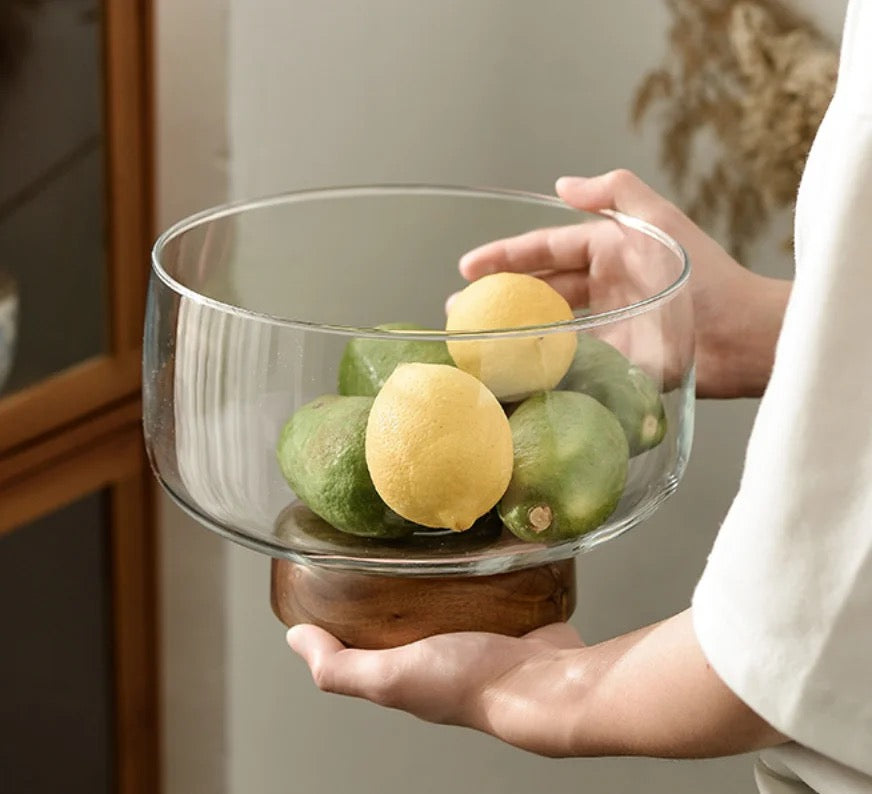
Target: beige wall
<point>473,91</point>
<point>192,173</point>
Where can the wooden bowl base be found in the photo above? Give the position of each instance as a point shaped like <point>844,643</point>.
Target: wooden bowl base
<point>375,611</point>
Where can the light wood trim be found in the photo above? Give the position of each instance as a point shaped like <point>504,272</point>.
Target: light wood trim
<point>92,409</point>
<point>77,391</point>
<point>117,462</point>
<point>135,631</point>
<point>73,393</point>
<point>97,466</point>
<point>22,462</point>
<point>128,122</point>
<point>62,398</point>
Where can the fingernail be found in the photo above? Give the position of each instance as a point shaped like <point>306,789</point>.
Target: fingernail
<point>569,182</point>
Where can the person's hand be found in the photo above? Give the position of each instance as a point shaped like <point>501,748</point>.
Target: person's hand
<point>737,313</point>
<point>650,692</point>
<point>501,685</point>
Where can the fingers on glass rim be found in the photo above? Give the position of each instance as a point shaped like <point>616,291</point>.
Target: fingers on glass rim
<point>555,248</point>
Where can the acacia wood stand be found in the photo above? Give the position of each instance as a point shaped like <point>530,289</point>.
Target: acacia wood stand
<point>376,611</point>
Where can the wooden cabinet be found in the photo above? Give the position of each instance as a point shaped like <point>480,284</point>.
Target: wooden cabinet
<point>75,207</point>
<point>77,537</point>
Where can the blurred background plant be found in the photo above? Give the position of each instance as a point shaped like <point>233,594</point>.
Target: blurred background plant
<point>752,80</point>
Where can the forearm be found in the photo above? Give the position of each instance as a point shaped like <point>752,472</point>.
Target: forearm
<point>738,353</point>
<point>649,693</point>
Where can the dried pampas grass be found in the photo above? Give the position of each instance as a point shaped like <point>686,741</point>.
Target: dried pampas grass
<point>757,79</point>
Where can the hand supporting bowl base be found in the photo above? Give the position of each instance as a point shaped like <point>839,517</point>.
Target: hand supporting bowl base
<point>252,308</point>
<point>374,611</point>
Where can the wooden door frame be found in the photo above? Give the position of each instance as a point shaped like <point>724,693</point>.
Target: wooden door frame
<point>64,397</point>
<point>116,461</point>
<point>79,431</point>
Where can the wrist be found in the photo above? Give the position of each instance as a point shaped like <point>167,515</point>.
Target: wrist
<point>651,692</point>
<point>739,353</point>
<point>536,706</point>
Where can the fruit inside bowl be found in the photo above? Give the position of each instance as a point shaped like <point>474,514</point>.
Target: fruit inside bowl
<point>321,384</point>
<point>547,425</point>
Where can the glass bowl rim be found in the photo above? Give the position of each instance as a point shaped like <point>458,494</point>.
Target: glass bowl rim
<point>227,209</point>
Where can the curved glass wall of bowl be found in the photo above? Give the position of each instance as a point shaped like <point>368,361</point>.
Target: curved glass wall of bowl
<point>252,306</point>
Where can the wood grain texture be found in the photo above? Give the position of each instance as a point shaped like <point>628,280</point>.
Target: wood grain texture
<point>23,462</point>
<point>78,431</point>
<point>116,462</point>
<point>58,401</point>
<point>373,611</point>
<point>52,404</point>
<point>127,44</point>
<point>135,646</point>
<point>95,466</point>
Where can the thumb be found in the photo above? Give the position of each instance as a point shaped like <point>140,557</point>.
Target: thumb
<point>560,635</point>
<point>619,190</point>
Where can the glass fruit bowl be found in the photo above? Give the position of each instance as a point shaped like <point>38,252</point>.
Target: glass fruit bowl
<point>303,397</point>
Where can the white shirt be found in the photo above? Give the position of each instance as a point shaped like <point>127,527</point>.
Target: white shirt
<point>783,610</point>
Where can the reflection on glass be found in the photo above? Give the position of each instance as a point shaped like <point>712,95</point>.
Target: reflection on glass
<point>51,186</point>
<point>8,324</point>
<point>267,311</point>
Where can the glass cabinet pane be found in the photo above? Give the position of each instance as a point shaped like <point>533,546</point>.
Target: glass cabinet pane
<point>55,664</point>
<point>52,215</point>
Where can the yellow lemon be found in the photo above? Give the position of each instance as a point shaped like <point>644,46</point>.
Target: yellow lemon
<point>511,368</point>
<point>438,446</point>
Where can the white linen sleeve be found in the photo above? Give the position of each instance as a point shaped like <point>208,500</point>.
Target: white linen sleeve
<point>783,610</point>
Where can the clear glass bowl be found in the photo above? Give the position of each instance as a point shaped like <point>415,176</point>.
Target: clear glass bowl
<point>252,305</point>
